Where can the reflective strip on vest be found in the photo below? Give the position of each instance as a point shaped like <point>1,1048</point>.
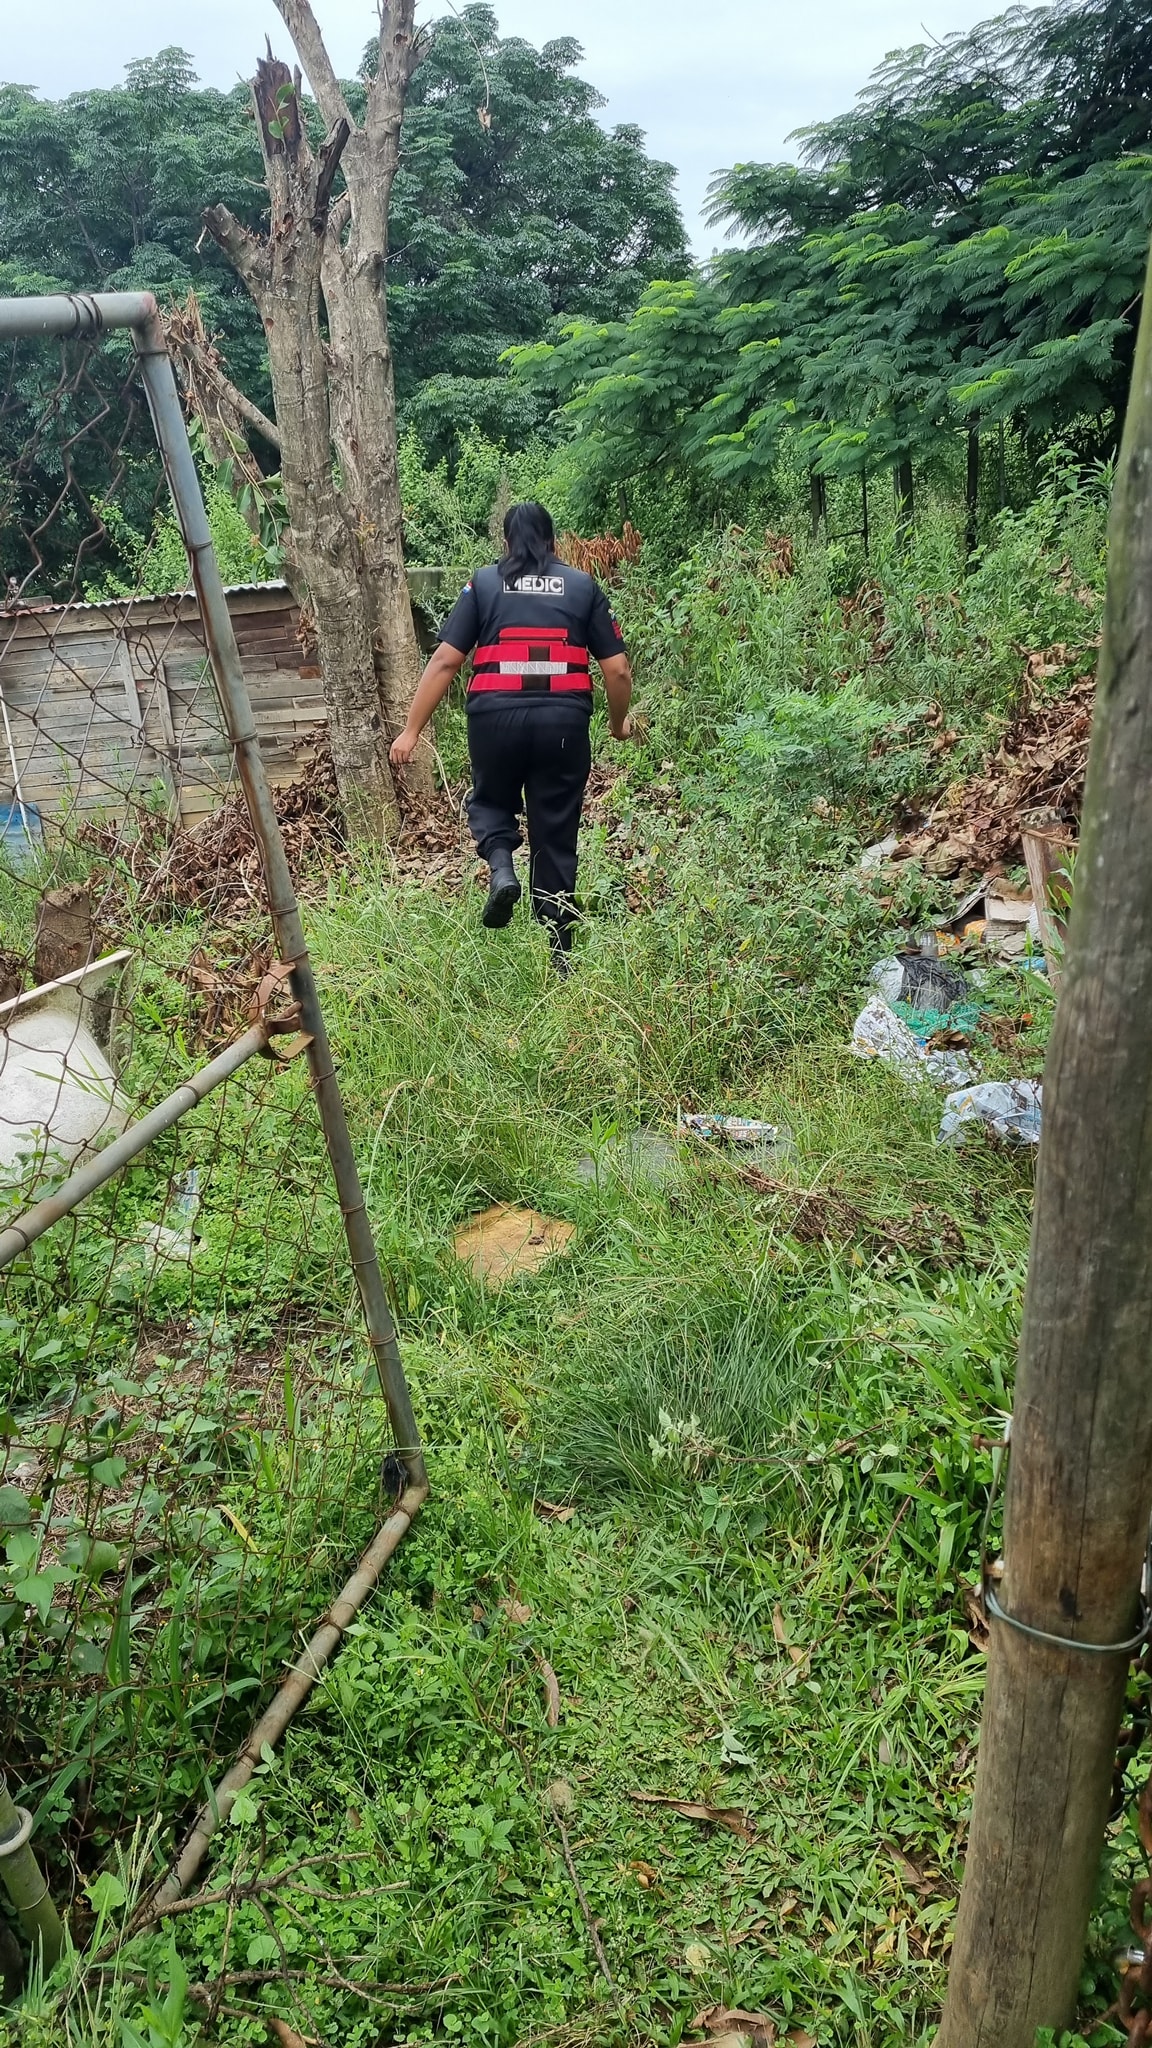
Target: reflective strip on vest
<point>527,652</point>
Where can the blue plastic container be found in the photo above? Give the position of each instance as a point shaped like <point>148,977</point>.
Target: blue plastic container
<point>19,835</point>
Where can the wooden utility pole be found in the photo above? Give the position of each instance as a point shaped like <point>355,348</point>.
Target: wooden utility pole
<point>1080,1479</point>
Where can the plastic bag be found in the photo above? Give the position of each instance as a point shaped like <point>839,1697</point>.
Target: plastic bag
<point>1010,1108</point>
<point>879,1033</point>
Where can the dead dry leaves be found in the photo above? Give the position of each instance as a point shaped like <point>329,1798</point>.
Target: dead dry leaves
<point>214,866</point>
<point>729,2026</point>
<point>551,1694</point>
<point>976,1616</point>
<point>815,1215</point>
<point>1037,768</point>
<point>730,1817</point>
<point>603,554</point>
<point>780,1634</point>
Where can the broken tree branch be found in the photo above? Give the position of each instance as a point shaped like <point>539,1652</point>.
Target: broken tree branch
<point>199,360</point>
<point>329,163</point>
<point>304,30</point>
<point>244,250</point>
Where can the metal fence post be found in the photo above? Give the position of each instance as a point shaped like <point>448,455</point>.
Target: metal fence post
<point>224,655</point>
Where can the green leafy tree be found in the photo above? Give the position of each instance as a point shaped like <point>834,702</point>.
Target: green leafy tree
<point>513,207</point>
<point>104,190</point>
<point>965,246</point>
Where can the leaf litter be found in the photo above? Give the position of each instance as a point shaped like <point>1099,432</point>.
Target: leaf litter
<point>730,1817</point>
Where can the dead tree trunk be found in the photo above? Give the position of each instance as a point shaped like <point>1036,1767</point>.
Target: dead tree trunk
<point>323,264</point>
<point>1080,1478</point>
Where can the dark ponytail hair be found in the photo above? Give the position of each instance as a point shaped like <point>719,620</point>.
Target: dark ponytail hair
<point>529,540</point>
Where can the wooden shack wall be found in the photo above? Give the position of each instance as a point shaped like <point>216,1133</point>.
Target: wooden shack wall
<point>113,705</point>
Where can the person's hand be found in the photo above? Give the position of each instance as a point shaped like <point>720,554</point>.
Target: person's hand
<point>403,747</point>
<point>624,730</point>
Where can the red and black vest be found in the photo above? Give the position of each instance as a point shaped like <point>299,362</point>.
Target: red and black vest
<point>536,634</point>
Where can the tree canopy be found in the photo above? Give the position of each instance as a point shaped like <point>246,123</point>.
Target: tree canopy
<point>513,206</point>
<point>966,245</point>
<point>104,191</point>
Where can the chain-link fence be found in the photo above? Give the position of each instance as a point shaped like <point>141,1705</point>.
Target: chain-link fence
<point>195,1450</point>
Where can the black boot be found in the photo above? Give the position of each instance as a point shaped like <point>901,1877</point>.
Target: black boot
<point>503,889</point>
<point>560,946</point>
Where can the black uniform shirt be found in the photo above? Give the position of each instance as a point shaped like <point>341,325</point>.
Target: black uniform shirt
<point>535,634</point>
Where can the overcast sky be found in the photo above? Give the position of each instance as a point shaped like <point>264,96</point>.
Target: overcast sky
<point>712,84</point>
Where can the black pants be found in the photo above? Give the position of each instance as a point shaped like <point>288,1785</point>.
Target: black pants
<point>530,752</point>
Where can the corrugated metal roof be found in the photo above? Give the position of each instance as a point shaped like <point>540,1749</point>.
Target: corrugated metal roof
<point>104,604</point>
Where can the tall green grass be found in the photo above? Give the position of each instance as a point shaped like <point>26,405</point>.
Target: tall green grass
<point>763,1398</point>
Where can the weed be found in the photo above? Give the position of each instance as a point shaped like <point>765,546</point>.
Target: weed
<point>708,1490</point>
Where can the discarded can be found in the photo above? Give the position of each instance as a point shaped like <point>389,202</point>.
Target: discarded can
<point>728,1130</point>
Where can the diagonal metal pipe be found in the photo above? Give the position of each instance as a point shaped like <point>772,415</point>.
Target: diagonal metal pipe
<point>224,655</point>
<point>304,1674</point>
<point>25,1882</point>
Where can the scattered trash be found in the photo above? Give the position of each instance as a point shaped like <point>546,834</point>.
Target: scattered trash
<point>877,856</point>
<point>60,1091</point>
<point>879,1033</point>
<point>155,1245</point>
<point>729,1130</point>
<point>940,1030</point>
<point>1011,922</point>
<point>921,981</point>
<point>505,1241</point>
<point>1005,905</point>
<point>1009,1108</point>
<point>887,978</point>
<point>930,984</point>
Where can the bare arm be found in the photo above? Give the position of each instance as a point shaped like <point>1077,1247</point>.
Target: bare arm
<point>616,670</point>
<point>431,690</point>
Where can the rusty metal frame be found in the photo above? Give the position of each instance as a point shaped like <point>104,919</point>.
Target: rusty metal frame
<point>85,315</point>
<point>80,315</point>
<point>16,1236</point>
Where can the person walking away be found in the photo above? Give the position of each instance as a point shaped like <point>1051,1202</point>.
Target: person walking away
<point>532,626</point>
